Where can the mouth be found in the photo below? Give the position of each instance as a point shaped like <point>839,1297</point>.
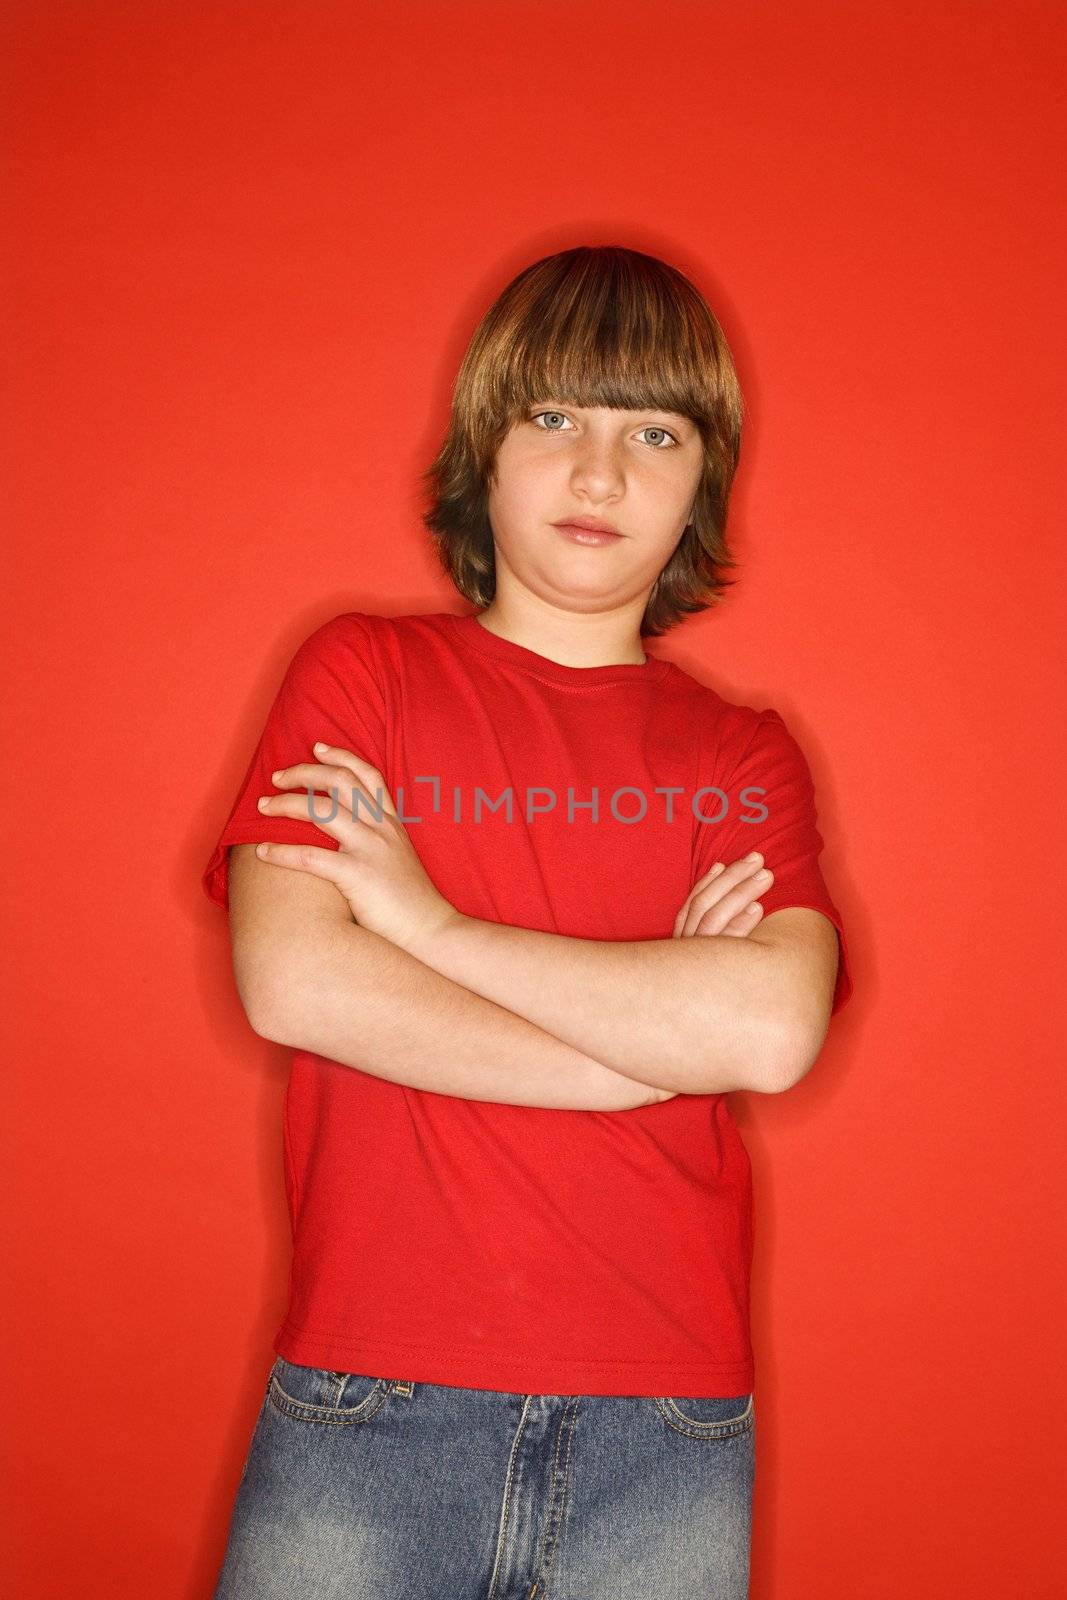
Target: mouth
<point>588,530</point>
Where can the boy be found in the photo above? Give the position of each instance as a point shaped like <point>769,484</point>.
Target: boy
<point>522,951</point>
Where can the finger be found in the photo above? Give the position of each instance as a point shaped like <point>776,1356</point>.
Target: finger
<point>329,864</point>
<point>370,800</point>
<point>702,883</point>
<point>336,752</point>
<point>728,892</point>
<point>368,775</point>
<point>737,926</point>
<point>745,921</point>
<point>330,813</point>
<point>683,910</point>
<point>719,916</point>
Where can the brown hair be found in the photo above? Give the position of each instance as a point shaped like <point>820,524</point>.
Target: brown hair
<point>593,326</point>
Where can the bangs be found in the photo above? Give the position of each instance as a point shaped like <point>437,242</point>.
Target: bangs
<point>613,329</point>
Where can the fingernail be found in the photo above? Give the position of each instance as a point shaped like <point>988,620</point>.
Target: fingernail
<point>753,855</point>
<point>320,746</point>
<point>263,802</point>
<point>759,876</point>
<point>276,777</point>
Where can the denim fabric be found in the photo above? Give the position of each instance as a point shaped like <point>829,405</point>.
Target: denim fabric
<point>366,1488</point>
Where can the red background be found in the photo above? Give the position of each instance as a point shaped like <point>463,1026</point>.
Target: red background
<point>247,246</point>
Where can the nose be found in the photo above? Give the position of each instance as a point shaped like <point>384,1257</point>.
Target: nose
<point>597,471</point>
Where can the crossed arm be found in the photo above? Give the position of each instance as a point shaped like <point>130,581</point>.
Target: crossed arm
<point>694,1016</point>
<point>529,1018</point>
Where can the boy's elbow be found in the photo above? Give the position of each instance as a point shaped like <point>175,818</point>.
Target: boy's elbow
<point>775,1055</point>
<point>264,1005</point>
<point>797,1047</point>
<point>281,925</point>
<point>766,1061</point>
<point>268,978</point>
<point>267,1018</point>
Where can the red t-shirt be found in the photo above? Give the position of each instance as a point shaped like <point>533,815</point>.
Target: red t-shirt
<point>520,1248</point>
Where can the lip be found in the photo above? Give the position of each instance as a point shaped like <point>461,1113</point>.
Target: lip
<point>588,530</point>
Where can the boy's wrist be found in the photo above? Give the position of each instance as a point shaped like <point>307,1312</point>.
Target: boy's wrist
<point>432,936</point>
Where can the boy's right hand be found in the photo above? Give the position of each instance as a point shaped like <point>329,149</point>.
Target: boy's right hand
<point>725,900</point>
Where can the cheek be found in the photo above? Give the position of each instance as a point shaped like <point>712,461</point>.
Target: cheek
<point>659,549</point>
<point>658,559</point>
<point>525,485</point>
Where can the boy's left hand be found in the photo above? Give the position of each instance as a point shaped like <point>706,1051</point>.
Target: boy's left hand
<point>376,867</point>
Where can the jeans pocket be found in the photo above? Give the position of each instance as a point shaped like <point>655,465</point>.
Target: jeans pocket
<point>317,1395</point>
<point>708,1417</point>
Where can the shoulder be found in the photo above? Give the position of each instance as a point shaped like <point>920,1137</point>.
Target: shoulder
<point>368,634</point>
<point>378,650</point>
<point>728,729</point>
<point>385,635</point>
<point>343,632</point>
<point>337,658</point>
<point>335,637</point>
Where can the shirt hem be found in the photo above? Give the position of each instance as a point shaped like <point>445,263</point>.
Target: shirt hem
<point>522,1374</point>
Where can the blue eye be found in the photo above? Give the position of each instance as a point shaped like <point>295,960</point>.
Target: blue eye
<point>651,428</point>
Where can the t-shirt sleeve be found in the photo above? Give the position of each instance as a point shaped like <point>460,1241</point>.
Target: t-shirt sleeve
<point>769,805</point>
<point>331,691</point>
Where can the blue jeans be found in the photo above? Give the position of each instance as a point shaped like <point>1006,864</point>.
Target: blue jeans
<point>365,1488</point>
